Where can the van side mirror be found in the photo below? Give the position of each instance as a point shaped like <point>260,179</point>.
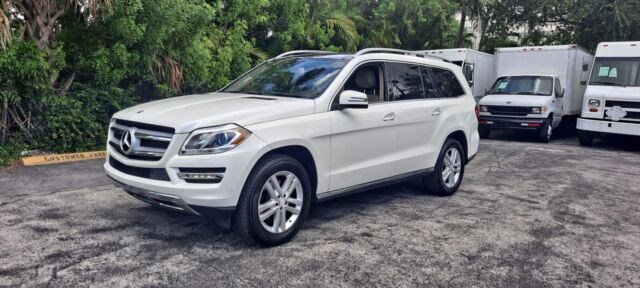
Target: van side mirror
<point>470,83</point>
<point>353,99</point>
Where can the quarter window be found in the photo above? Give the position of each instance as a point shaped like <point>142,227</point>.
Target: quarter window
<point>447,82</point>
<point>405,82</point>
<point>430,89</point>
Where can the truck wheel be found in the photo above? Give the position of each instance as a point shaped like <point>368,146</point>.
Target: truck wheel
<point>585,137</point>
<point>544,133</point>
<point>449,170</point>
<point>274,202</point>
<point>484,132</point>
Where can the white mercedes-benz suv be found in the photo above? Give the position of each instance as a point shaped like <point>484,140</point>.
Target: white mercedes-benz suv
<point>303,127</point>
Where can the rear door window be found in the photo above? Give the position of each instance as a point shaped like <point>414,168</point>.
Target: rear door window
<point>404,82</point>
<point>447,83</point>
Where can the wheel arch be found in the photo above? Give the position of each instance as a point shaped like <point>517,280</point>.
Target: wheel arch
<point>461,137</point>
<point>304,156</point>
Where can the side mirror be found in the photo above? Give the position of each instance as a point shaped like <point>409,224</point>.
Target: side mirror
<point>561,94</point>
<point>353,99</point>
<point>470,83</point>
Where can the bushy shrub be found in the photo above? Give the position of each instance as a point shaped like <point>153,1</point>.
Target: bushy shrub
<point>10,152</point>
<point>78,121</point>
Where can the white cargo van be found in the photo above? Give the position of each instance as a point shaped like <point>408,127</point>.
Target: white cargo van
<point>478,67</point>
<point>535,88</point>
<point>612,100</point>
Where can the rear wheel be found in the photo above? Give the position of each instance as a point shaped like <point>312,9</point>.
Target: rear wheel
<point>449,170</point>
<point>585,137</point>
<point>544,132</point>
<point>274,202</point>
<point>484,132</point>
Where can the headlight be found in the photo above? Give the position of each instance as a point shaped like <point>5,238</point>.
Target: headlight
<point>593,103</point>
<point>484,109</point>
<point>539,110</point>
<point>214,140</point>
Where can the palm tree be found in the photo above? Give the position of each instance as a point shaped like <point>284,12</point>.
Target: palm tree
<point>340,21</point>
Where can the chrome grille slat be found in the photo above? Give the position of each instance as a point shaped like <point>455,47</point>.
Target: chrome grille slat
<point>149,145</point>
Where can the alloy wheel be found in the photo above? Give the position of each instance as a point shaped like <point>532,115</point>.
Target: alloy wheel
<point>452,167</point>
<point>280,202</point>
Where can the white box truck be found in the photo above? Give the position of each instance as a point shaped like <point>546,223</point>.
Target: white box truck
<point>535,88</point>
<point>478,67</point>
<point>612,100</point>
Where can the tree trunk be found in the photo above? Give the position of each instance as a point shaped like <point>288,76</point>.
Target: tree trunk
<point>483,34</point>
<point>460,38</point>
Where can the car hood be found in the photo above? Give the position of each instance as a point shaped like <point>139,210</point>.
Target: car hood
<point>514,100</point>
<point>188,113</point>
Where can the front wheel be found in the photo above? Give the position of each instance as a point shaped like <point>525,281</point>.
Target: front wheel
<point>449,170</point>
<point>544,133</point>
<point>274,202</point>
<point>484,132</point>
<point>585,137</point>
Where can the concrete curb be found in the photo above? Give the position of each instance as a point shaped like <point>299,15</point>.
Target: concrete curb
<point>61,158</point>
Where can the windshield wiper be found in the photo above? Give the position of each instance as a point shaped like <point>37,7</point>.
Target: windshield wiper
<point>605,83</point>
<point>531,93</point>
<point>282,94</point>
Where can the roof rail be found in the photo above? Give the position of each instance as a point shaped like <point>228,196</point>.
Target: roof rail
<point>304,52</point>
<point>398,51</point>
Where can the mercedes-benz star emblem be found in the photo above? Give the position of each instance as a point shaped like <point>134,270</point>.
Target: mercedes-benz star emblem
<point>126,142</point>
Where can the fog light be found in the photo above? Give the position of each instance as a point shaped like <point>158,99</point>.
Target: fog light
<point>212,177</point>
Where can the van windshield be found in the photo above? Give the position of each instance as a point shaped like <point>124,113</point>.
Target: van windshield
<point>616,71</point>
<point>523,85</point>
<point>289,77</point>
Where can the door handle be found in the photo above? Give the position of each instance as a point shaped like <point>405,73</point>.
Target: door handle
<point>436,112</point>
<point>389,117</point>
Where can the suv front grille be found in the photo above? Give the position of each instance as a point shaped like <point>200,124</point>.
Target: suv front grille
<point>149,173</point>
<point>509,110</point>
<point>147,142</point>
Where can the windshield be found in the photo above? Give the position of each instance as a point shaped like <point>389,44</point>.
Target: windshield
<point>616,72</point>
<point>523,85</point>
<point>289,77</point>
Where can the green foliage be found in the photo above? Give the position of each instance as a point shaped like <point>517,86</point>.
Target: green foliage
<point>78,121</point>
<point>100,61</point>
<point>24,74</point>
<point>10,152</point>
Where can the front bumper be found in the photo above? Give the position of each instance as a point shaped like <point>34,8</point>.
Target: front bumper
<point>511,122</point>
<point>604,126</point>
<point>225,194</point>
<point>221,215</point>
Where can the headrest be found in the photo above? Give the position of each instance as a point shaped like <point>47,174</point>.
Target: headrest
<point>366,79</point>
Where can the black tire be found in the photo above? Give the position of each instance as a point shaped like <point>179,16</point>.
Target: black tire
<point>544,132</point>
<point>434,184</point>
<point>246,221</point>
<point>484,132</point>
<point>585,137</point>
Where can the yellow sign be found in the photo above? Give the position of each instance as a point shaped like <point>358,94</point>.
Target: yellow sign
<point>62,158</point>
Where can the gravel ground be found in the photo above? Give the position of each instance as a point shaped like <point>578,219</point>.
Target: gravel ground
<point>527,215</point>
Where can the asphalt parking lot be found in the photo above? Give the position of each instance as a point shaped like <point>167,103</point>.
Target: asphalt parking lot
<point>527,215</point>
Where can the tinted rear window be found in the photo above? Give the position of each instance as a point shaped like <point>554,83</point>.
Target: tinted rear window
<point>447,83</point>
